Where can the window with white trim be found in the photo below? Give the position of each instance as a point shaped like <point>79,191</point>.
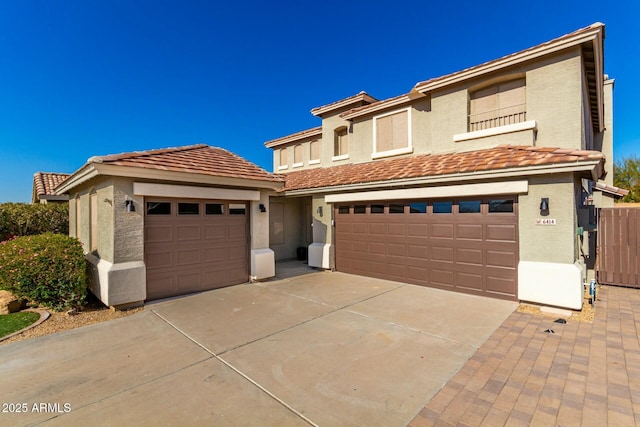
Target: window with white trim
<point>498,105</point>
<point>392,133</point>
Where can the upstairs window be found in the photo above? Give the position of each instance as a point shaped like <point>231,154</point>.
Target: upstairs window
<point>314,152</point>
<point>498,105</point>
<point>341,143</point>
<point>392,133</point>
<point>297,155</point>
<point>283,159</point>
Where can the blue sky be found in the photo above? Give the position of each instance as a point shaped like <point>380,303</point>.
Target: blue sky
<point>91,77</point>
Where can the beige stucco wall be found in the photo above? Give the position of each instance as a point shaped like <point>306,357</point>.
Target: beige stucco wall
<point>548,243</point>
<point>293,226</point>
<point>554,100</point>
<point>128,231</point>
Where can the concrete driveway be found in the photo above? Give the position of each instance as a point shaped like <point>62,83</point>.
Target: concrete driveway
<point>321,349</point>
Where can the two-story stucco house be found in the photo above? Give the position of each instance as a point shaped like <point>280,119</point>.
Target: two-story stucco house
<point>482,181</point>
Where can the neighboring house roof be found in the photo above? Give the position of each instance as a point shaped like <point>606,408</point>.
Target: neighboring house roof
<point>593,57</point>
<point>44,184</point>
<point>194,163</point>
<point>298,136</point>
<point>495,162</point>
<point>611,190</point>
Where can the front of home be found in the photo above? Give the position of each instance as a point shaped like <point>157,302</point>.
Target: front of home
<point>483,181</point>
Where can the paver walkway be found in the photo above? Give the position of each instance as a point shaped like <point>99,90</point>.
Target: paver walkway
<point>586,374</point>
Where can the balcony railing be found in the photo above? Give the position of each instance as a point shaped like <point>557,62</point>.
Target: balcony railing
<point>495,118</point>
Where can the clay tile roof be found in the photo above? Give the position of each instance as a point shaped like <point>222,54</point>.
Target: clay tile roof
<point>503,157</point>
<point>44,183</point>
<point>198,159</point>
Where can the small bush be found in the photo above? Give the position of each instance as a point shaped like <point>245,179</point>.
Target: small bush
<point>49,269</point>
<point>21,219</point>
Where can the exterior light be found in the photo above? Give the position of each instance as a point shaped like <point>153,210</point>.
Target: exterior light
<point>319,210</point>
<point>129,206</point>
<point>544,206</point>
<point>262,207</point>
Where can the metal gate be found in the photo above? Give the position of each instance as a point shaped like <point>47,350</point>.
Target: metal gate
<point>618,247</point>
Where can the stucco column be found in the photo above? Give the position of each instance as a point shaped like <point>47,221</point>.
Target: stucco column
<point>320,249</point>
<point>263,263</point>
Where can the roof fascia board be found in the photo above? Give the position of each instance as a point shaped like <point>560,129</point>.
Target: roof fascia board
<point>480,189</point>
<point>193,192</point>
<point>163,175</point>
<point>319,111</point>
<point>500,174</point>
<point>527,55</point>
<point>81,176</point>
<point>296,137</point>
<point>379,107</point>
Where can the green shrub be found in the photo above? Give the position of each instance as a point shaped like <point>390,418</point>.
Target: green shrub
<point>22,219</point>
<point>49,269</point>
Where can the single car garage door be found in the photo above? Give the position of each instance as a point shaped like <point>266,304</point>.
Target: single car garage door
<point>467,246</point>
<point>194,245</point>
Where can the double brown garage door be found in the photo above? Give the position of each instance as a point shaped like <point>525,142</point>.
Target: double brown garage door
<point>194,245</point>
<point>467,246</point>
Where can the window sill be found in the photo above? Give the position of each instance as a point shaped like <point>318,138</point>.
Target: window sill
<point>500,130</point>
<point>281,168</point>
<point>390,153</point>
<point>340,157</point>
<point>314,162</point>
<point>298,165</point>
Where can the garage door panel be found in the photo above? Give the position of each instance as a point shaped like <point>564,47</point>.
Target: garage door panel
<point>160,259</point>
<point>500,285</point>
<point>215,254</point>
<point>469,256</point>
<point>469,231</point>
<point>188,257</point>
<point>188,232</point>
<point>418,252</point>
<point>442,231</point>
<point>159,234</point>
<point>442,277</point>
<point>215,232</point>
<point>470,281</point>
<point>502,232</point>
<point>450,250</point>
<point>396,249</point>
<point>237,230</point>
<point>417,230</point>
<point>440,253</point>
<point>501,259</point>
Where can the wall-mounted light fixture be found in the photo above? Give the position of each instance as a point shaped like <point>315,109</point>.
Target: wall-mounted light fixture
<point>544,206</point>
<point>319,210</point>
<point>129,206</point>
<point>262,207</point>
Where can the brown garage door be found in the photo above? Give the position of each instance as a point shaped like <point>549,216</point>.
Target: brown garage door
<point>467,246</point>
<point>194,245</point>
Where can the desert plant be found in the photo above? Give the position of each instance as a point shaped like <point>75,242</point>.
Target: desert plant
<point>49,269</point>
<point>21,219</point>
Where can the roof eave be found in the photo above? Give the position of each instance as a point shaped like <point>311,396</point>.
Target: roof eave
<point>295,137</point>
<point>588,35</point>
<point>581,166</point>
